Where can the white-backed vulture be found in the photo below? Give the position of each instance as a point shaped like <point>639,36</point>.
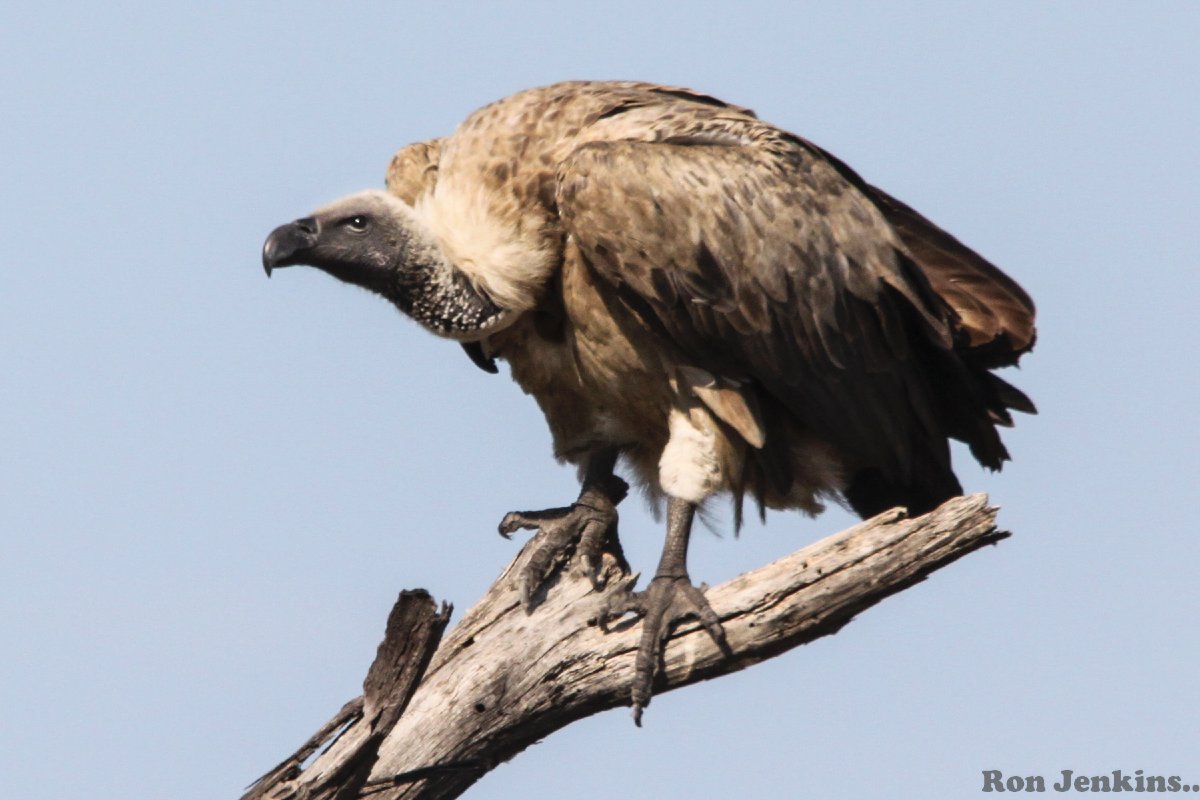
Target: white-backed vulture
<point>721,305</point>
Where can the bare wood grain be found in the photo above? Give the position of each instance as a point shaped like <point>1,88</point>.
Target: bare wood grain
<point>503,679</point>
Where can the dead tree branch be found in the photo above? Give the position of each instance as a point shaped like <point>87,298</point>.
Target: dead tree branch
<point>435,717</point>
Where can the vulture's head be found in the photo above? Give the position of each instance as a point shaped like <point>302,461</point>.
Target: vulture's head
<point>359,239</point>
<point>372,239</point>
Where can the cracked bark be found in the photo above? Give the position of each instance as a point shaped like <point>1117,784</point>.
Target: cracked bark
<point>437,715</point>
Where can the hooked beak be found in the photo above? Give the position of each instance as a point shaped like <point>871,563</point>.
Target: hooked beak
<point>288,244</point>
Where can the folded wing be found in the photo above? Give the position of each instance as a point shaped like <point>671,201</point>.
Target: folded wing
<point>757,259</point>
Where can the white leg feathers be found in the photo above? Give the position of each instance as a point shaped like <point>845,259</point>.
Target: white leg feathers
<point>690,468</point>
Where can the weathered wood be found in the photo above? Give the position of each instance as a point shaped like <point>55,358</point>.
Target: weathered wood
<point>414,629</point>
<point>502,679</point>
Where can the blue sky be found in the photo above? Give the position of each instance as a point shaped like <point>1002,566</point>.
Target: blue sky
<point>213,486</point>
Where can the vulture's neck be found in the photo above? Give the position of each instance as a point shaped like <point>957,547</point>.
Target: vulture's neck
<point>426,286</point>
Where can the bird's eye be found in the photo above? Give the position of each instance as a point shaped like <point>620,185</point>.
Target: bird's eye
<point>357,223</point>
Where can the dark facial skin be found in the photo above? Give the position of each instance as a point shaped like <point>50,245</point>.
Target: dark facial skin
<point>368,240</point>
<point>354,242</point>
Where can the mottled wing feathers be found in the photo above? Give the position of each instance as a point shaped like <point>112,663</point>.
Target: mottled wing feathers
<point>761,262</point>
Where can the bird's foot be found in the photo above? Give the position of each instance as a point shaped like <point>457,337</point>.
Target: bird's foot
<point>667,601</point>
<point>587,528</point>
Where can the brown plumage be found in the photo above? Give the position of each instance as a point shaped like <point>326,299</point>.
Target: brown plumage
<point>722,304</point>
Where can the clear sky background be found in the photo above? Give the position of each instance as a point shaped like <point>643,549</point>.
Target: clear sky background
<point>212,485</point>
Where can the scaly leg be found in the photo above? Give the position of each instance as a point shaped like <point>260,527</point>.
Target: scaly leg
<point>588,526</point>
<point>669,599</point>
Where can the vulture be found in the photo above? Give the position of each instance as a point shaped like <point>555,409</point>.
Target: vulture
<point>718,305</point>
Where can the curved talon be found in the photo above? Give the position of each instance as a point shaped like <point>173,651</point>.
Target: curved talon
<point>509,525</point>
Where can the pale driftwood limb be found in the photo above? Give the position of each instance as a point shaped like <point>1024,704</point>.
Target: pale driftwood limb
<point>414,629</point>
<point>503,679</point>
